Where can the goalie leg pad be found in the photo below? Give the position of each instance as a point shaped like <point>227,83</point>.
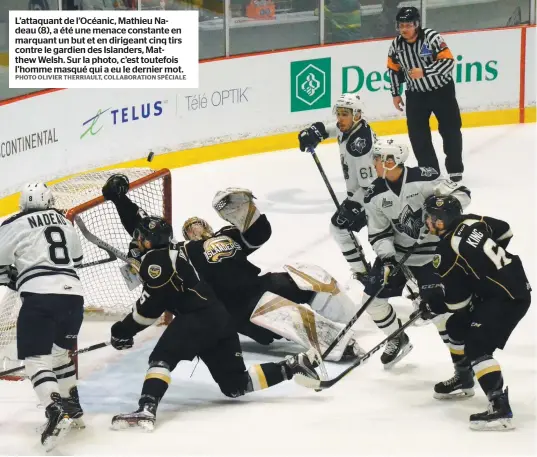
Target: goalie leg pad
<point>300,323</point>
<point>330,300</point>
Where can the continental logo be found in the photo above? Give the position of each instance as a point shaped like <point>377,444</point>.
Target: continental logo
<point>221,247</point>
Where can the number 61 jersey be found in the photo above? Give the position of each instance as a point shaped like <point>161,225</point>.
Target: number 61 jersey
<point>45,249</point>
<point>356,158</point>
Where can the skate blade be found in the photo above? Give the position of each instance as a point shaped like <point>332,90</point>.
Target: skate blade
<point>494,425</point>
<point>61,430</point>
<point>78,424</point>
<point>459,395</point>
<point>124,424</point>
<point>404,351</point>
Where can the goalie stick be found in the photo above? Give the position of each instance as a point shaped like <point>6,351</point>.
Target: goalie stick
<point>319,385</point>
<point>396,269</point>
<point>93,347</point>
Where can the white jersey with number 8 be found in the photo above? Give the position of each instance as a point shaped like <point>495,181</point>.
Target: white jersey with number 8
<point>44,247</point>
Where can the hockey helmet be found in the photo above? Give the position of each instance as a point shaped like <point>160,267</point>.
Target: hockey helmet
<point>36,196</point>
<point>350,101</point>
<point>408,14</point>
<point>445,208</point>
<point>156,230</point>
<point>388,149</point>
<point>196,228</point>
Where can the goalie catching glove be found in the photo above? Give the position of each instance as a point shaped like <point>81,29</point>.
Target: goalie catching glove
<point>236,206</point>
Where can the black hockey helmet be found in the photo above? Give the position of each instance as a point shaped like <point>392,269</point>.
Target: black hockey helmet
<point>156,230</point>
<point>408,14</point>
<point>444,207</point>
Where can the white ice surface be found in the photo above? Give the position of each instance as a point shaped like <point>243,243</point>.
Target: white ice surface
<point>372,411</point>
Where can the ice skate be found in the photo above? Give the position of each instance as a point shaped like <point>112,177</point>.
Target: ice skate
<point>58,425</point>
<point>498,416</point>
<point>144,417</point>
<point>396,349</point>
<point>459,386</point>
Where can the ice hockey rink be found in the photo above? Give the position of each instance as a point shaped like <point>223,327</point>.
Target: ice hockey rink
<point>371,411</point>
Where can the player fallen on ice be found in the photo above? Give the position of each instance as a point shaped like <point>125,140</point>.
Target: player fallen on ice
<point>355,138</point>
<point>486,289</point>
<point>222,260</point>
<point>202,328</point>
<point>393,204</point>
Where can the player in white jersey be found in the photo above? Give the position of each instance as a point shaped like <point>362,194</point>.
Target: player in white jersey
<point>355,138</point>
<point>393,204</point>
<point>39,251</point>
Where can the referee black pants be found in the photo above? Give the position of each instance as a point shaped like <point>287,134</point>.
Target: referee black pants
<point>443,103</point>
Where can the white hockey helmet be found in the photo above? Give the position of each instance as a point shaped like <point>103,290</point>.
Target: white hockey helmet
<point>389,149</point>
<point>36,196</point>
<point>350,101</point>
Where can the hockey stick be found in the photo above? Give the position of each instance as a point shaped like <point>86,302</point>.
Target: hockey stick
<point>361,311</point>
<point>357,244</point>
<point>93,347</point>
<point>320,385</point>
<point>103,244</point>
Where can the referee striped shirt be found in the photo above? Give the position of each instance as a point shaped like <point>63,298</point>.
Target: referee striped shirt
<point>430,53</point>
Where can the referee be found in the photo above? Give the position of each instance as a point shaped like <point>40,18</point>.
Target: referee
<point>422,59</point>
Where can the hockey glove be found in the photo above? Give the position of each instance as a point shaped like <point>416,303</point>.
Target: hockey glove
<point>312,136</point>
<point>384,270</point>
<point>425,310</point>
<point>8,277</point>
<point>116,187</point>
<point>433,296</point>
<point>350,216</point>
<point>121,337</point>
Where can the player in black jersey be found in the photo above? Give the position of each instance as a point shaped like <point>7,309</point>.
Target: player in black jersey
<point>221,259</point>
<point>201,328</point>
<point>486,289</point>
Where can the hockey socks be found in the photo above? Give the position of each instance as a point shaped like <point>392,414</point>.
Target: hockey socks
<point>157,380</point>
<point>39,370</point>
<point>489,374</point>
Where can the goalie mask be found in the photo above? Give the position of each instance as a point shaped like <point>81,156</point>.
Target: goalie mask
<point>195,229</point>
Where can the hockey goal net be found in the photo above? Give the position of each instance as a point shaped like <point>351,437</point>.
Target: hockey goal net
<point>106,294</point>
